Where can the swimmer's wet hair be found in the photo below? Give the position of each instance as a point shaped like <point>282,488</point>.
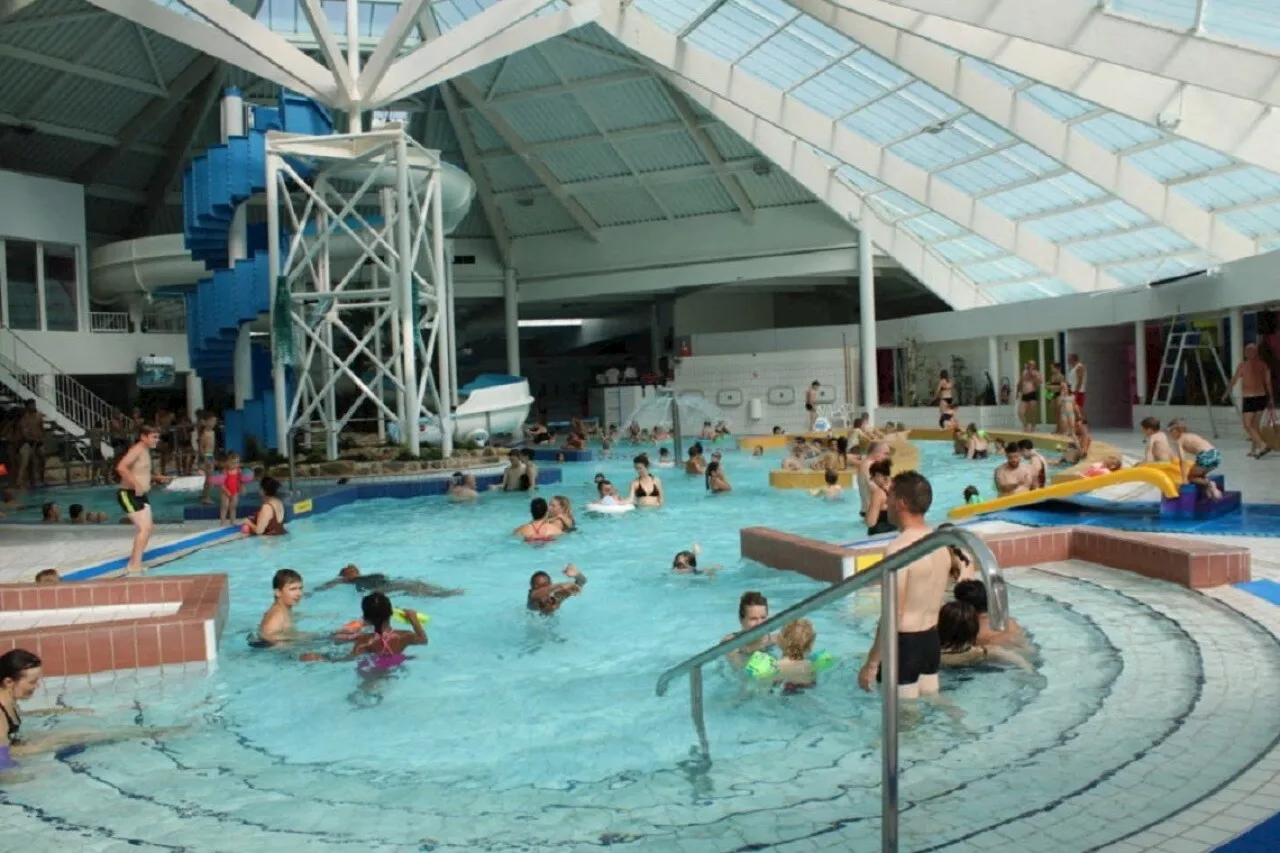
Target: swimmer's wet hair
<point>831,477</point>
<point>538,508</point>
<point>972,593</point>
<point>1151,424</point>
<point>376,609</point>
<point>284,577</point>
<point>689,559</point>
<point>533,578</point>
<point>751,599</point>
<point>884,468</point>
<point>1026,444</point>
<point>797,638</point>
<point>957,625</point>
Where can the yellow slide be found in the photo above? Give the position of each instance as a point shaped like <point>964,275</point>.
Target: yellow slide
<point>1151,475</point>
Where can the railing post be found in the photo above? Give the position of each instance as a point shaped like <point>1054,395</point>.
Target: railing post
<point>889,713</point>
<point>699,724</point>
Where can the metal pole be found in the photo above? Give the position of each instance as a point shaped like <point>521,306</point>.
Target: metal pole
<point>408,328</point>
<point>889,713</point>
<point>444,341</point>
<point>387,197</point>
<point>675,429</point>
<point>695,696</point>
<point>285,445</point>
<point>1140,360</point>
<point>453,329</point>
<point>330,404</point>
<point>354,122</point>
<point>511,316</point>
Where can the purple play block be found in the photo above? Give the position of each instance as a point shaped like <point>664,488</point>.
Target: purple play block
<point>1191,503</point>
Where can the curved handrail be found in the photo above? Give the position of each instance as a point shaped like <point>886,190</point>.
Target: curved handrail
<point>997,594</point>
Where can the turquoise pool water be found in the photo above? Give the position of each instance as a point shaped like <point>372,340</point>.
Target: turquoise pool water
<point>511,732</point>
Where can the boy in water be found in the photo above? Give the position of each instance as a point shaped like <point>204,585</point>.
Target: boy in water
<point>831,491</point>
<point>686,563</point>
<point>378,582</point>
<point>1206,456</point>
<point>1158,449</point>
<point>277,623</point>
<point>921,586</point>
<point>546,597</point>
<point>1039,467</point>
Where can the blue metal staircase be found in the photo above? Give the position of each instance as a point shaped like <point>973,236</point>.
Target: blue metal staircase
<point>213,186</point>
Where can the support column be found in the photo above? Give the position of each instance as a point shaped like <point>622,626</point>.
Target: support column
<point>1044,371</point>
<point>404,286</point>
<point>195,394</point>
<point>1235,317</point>
<point>279,388</point>
<point>1140,360</point>
<point>511,306</point>
<point>655,337</point>
<point>453,323</point>
<point>867,326</point>
<point>993,367</point>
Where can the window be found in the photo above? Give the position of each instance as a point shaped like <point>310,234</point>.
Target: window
<point>24,300</point>
<point>60,287</point>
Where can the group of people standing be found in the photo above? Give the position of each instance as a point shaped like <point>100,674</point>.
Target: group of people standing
<point>1064,391</point>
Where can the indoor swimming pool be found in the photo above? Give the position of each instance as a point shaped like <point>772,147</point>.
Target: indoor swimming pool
<point>513,732</point>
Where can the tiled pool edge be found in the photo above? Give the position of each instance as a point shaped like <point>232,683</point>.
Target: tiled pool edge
<point>1186,562</point>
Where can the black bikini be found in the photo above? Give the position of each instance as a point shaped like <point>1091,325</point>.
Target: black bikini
<point>15,723</point>
<point>641,493</point>
<point>882,525</point>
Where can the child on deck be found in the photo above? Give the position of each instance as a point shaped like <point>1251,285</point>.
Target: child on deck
<point>1206,456</point>
<point>230,489</point>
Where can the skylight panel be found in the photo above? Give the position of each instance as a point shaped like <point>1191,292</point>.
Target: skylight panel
<point>968,249</point>
<point>784,60</point>
<point>838,90</point>
<point>890,117</point>
<point>995,72</point>
<point>932,226</point>
<point>994,272</point>
<point>1177,159</point>
<point>1116,132</point>
<point>1058,104</point>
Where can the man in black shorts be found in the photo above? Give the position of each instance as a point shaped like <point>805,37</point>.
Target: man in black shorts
<point>922,586</point>
<point>1029,396</point>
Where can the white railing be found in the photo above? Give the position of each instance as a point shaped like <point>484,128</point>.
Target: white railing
<point>73,400</point>
<point>165,321</point>
<point>109,322</point>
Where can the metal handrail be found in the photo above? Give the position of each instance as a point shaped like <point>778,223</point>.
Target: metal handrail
<point>886,571</point>
<point>74,400</point>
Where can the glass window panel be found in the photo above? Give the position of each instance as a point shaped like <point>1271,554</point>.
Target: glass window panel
<point>1155,269</point>
<point>24,299</point>
<point>931,226</point>
<point>878,70</point>
<point>859,180</point>
<point>1256,21</point>
<point>61,287</point>
<point>987,132</point>
<point>732,31</point>
<point>995,72</point>
<point>989,173</point>
<point>1031,159</point>
<point>1001,270</point>
<point>888,118</point>
<point>933,151</point>
<point>1025,201</point>
<point>1255,221</point>
<point>784,61</point>
<point>1174,13</point>
<point>821,36</point>
<point>673,15</point>
<point>380,17</point>
<point>1177,159</point>
<point>968,249</point>
<point>336,13</point>
<point>1230,188</point>
<point>930,100</point>
<point>774,11</point>
<point>896,205</point>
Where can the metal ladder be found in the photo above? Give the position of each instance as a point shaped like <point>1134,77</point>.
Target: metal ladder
<point>1180,342</point>
<point>885,571</point>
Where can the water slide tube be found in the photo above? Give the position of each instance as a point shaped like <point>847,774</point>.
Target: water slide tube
<point>130,269</point>
<point>1157,476</point>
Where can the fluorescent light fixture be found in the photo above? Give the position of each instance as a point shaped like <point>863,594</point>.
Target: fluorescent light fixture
<point>548,324</point>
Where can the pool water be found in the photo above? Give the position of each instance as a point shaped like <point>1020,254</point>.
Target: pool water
<point>516,732</point>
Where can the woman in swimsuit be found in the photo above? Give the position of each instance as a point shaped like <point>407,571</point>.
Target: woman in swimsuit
<point>646,489</point>
<point>944,391</point>
<point>958,636</point>
<point>879,474</point>
<point>753,608</point>
<point>270,518</point>
<point>716,482</point>
<point>695,464</point>
<point>561,511</point>
<point>543,527</point>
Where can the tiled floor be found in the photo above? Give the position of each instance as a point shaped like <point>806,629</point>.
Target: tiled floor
<point>28,549</point>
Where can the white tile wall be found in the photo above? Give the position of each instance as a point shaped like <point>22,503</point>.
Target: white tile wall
<point>21,621</point>
<point>755,373</point>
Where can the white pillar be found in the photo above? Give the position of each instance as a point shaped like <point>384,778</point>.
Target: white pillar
<point>1236,318</point>
<point>453,323</point>
<point>511,306</point>
<point>1140,360</point>
<point>993,366</point>
<point>867,326</point>
<point>283,445</point>
<point>655,338</point>
<point>404,283</point>
<point>195,394</point>
<point>444,341</point>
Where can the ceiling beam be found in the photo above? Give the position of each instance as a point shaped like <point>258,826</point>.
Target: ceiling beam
<point>327,43</point>
<point>680,174</point>
<point>9,51</point>
<point>75,133</point>
<point>384,55</point>
<point>151,114</point>
<point>193,115</point>
<point>727,178</point>
<point>503,128</point>
<point>475,168</point>
<point>45,21</point>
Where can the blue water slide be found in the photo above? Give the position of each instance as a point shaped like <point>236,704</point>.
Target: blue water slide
<point>214,184</point>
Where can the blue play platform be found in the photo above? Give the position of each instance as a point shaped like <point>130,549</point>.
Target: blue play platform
<point>1261,520</point>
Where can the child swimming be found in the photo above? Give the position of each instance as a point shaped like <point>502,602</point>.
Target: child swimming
<point>384,648</point>
<point>686,563</point>
<point>546,597</point>
<point>795,669</point>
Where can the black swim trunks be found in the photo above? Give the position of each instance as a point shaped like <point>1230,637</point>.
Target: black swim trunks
<point>131,501</point>
<point>980,454</point>
<point>1256,403</point>
<point>1029,398</point>
<point>919,653</point>
<point>808,407</point>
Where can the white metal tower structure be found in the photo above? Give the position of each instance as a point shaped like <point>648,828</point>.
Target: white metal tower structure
<point>331,301</point>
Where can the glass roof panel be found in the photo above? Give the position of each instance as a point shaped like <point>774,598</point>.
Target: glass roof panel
<point>859,180</point>
<point>1004,75</point>
<point>932,226</point>
<point>1174,13</point>
<point>1075,224</point>
<point>1005,269</point>
<point>888,118</point>
<point>1116,132</point>
<point>895,205</point>
<point>1044,196</point>
<point>968,249</point>
<point>784,60</point>
<point>1270,245</point>
<point>673,15</point>
<point>1027,290</point>
<point>1177,158</point>
<point>1156,269</point>
<point>878,70</point>
<point>1238,186</point>
<point>1058,104</point>
<point>838,90</point>
<point>451,13</point>
<point>731,31</point>
<point>1255,21</point>
<point>822,37</point>
<point>933,151</point>
<point>985,130</point>
<point>1148,242</point>
<point>1255,221</point>
<point>986,174</point>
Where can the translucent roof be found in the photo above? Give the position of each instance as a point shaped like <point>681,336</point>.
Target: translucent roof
<point>1000,172</point>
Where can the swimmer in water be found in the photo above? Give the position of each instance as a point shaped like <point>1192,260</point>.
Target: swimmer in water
<point>546,597</point>
<point>664,458</point>
<point>277,623</point>
<point>753,609</point>
<point>378,582</point>
<point>463,488</point>
<point>686,563</point>
<point>561,511</point>
<point>383,649</point>
<point>543,528</point>
<point>646,489</point>
<point>512,473</point>
<point>958,630</point>
<point>832,490</point>
<point>795,669</point>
